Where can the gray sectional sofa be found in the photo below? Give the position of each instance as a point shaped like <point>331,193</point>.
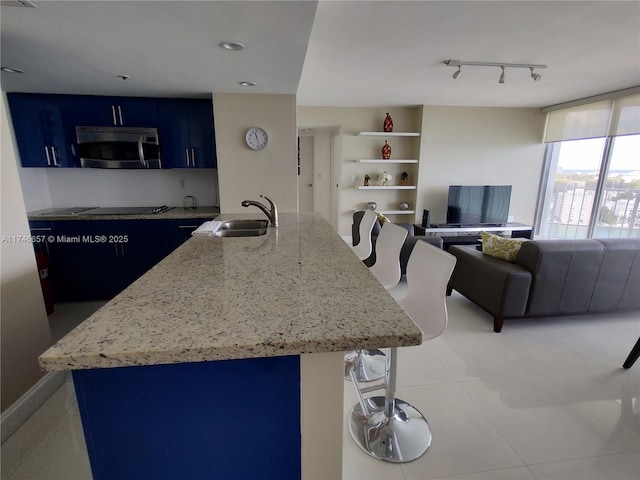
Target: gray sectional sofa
<point>407,247</point>
<point>551,277</point>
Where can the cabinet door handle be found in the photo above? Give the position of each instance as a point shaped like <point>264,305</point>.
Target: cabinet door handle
<point>113,113</point>
<point>40,229</point>
<point>54,156</point>
<point>193,157</point>
<point>187,226</point>
<point>120,115</point>
<point>186,154</point>
<point>46,152</point>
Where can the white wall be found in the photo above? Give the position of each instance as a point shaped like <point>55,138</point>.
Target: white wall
<point>458,145</point>
<point>481,146</point>
<point>23,319</point>
<point>244,174</point>
<point>73,187</point>
<point>92,187</point>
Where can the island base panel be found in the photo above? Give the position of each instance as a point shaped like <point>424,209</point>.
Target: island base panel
<point>213,420</point>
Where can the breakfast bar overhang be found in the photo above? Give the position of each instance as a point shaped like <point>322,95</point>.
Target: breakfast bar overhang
<point>225,360</point>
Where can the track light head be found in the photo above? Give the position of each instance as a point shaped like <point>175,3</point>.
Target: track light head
<point>535,76</point>
<point>456,74</point>
<point>501,80</point>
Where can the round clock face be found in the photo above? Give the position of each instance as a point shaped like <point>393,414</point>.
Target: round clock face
<point>256,138</point>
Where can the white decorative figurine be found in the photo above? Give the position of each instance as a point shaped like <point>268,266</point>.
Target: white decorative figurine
<point>385,179</point>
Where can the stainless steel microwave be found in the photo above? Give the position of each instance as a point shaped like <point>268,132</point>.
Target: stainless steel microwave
<point>118,147</point>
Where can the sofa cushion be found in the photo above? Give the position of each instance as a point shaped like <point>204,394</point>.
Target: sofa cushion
<point>501,247</point>
<point>382,219</point>
<point>565,273</point>
<point>618,284</point>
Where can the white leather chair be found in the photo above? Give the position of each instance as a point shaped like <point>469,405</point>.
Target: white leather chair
<point>364,247</point>
<point>385,427</point>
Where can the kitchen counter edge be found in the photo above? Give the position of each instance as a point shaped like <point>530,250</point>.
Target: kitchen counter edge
<point>174,213</point>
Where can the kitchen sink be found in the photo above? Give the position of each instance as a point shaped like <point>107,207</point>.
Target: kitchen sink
<point>242,228</point>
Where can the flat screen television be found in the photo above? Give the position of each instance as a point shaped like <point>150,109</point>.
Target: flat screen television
<point>478,204</point>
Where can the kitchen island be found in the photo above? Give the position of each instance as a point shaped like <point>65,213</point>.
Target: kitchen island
<point>225,359</point>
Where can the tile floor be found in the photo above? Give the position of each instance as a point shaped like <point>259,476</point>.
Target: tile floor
<point>544,399</point>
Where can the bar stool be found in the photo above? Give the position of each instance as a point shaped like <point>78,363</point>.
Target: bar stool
<point>385,427</point>
<point>368,365</point>
<point>364,247</point>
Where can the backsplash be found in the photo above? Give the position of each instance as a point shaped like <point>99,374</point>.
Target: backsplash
<point>45,188</point>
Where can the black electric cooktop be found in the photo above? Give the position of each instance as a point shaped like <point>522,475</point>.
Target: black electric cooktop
<point>127,210</point>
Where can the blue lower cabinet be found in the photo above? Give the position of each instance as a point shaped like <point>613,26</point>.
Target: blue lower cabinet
<point>82,266</point>
<point>97,259</point>
<point>230,419</point>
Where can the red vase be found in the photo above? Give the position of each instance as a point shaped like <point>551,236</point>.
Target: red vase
<point>388,124</point>
<point>386,151</point>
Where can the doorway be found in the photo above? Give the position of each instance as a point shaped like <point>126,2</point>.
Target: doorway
<point>305,173</point>
<point>318,149</point>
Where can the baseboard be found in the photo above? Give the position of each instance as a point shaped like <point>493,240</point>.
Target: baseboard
<point>18,413</point>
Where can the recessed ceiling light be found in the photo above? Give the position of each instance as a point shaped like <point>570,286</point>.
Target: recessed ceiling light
<point>247,84</point>
<point>11,70</point>
<point>232,46</point>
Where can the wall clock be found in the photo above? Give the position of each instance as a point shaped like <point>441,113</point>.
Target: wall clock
<point>256,138</point>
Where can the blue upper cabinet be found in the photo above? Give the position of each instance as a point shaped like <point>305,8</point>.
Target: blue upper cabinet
<point>40,133</point>
<point>186,132</point>
<point>98,111</point>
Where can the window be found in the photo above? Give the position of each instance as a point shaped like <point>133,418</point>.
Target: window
<point>592,189</point>
<point>591,181</point>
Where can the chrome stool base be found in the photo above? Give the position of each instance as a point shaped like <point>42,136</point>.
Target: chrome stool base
<point>399,438</point>
<point>368,365</point>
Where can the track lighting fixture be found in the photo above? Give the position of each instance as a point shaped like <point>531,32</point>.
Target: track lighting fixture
<point>460,63</point>
<point>535,76</point>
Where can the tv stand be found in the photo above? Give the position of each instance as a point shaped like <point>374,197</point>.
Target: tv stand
<point>467,225</point>
<point>460,234</point>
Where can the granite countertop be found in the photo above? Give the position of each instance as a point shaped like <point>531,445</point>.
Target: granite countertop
<point>175,213</point>
<point>298,289</point>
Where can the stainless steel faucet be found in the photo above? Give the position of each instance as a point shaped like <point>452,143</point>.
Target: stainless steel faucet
<point>272,214</point>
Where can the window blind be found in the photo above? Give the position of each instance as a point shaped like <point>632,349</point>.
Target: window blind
<point>610,117</point>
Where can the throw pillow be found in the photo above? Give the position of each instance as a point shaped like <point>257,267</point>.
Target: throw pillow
<point>382,218</point>
<point>501,247</point>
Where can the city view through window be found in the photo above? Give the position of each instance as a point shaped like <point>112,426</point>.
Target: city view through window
<point>598,173</point>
